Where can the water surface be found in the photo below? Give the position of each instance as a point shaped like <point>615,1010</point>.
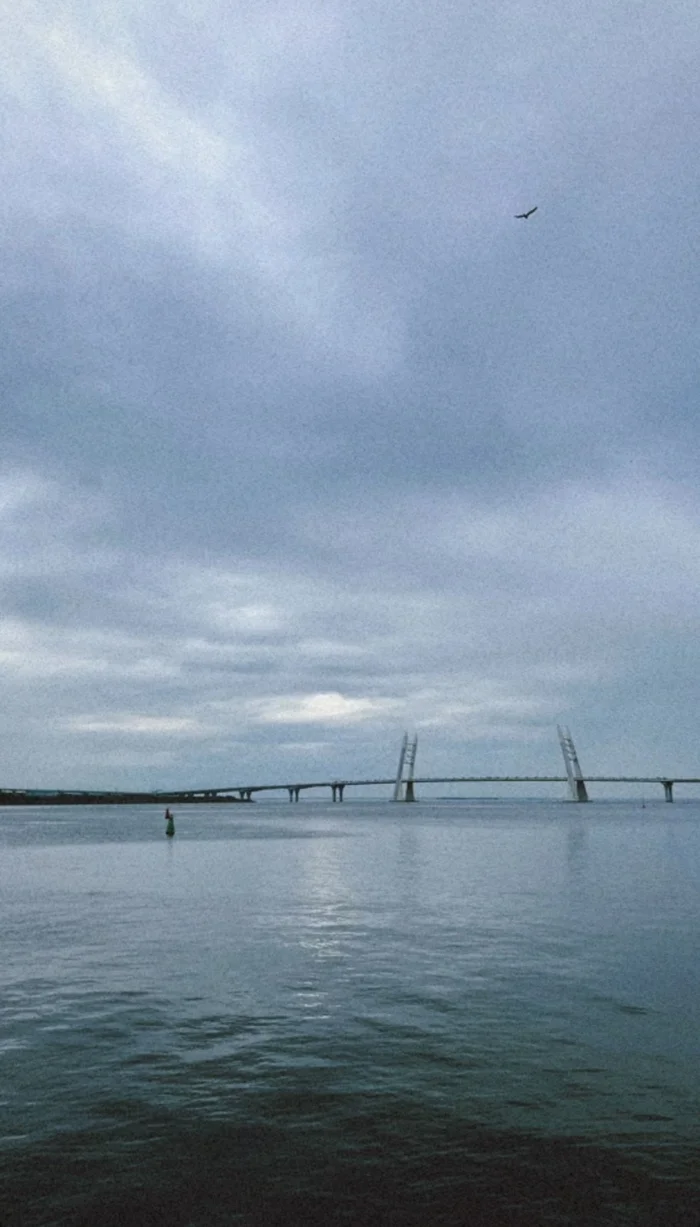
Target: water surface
<point>479,1013</point>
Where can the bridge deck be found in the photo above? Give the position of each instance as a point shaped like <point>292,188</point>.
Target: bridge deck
<point>446,779</point>
<point>245,791</point>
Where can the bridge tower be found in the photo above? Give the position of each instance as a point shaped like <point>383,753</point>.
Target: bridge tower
<point>403,788</point>
<point>577,784</point>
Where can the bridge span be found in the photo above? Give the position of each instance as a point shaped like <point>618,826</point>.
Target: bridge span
<point>405,781</point>
<point>246,792</point>
<point>337,787</point>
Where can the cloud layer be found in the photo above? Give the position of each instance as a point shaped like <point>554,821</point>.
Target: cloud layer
<point>305,439</point>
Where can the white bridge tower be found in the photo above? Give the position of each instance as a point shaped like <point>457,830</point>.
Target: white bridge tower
<point>577,784</point>
<point>403,788</point>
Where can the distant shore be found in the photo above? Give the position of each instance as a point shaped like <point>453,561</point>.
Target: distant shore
<point>16,796</point>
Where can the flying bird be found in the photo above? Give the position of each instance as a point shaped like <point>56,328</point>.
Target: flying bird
<point>528,214</point>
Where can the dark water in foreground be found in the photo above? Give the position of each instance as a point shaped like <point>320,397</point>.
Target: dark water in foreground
<point>406,1015</point>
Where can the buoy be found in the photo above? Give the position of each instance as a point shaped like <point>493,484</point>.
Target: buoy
<point>169,823</point>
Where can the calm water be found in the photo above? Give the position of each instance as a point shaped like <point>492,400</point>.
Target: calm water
<point>445,1013</point>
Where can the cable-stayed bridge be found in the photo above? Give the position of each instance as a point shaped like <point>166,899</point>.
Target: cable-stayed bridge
<point>403,784</point>
<point>405,780</point>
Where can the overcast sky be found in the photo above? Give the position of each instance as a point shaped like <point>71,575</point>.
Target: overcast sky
<point>306,440</point>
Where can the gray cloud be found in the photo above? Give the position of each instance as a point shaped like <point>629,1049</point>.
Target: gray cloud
<point>305,439</point>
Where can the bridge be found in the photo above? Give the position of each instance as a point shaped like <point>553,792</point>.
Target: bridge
<point>404,783</point>
<point>337,787</point>
<point>405,780</point>
<point>246,792</point>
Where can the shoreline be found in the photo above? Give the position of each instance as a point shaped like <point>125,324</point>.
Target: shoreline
<point>21,797</point>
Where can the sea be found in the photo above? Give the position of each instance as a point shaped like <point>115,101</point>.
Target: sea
<point>452,1012</point>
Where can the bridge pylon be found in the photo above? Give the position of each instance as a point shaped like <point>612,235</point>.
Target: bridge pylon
<point>574,774</point>
<point>403,788</point>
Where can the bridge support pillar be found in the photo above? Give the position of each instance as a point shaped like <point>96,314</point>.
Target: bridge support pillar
<point>293,790</point>
<point>338,790</point>
<point>668,789</point>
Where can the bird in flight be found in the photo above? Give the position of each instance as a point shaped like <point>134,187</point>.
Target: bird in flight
<point>528,214</point>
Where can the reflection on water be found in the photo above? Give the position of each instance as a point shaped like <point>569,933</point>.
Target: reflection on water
<point>408,866</point>
<point>576,848</point>
<point>362,1014</point>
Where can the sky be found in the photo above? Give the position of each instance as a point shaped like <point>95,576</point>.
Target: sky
<point>305,439</point>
